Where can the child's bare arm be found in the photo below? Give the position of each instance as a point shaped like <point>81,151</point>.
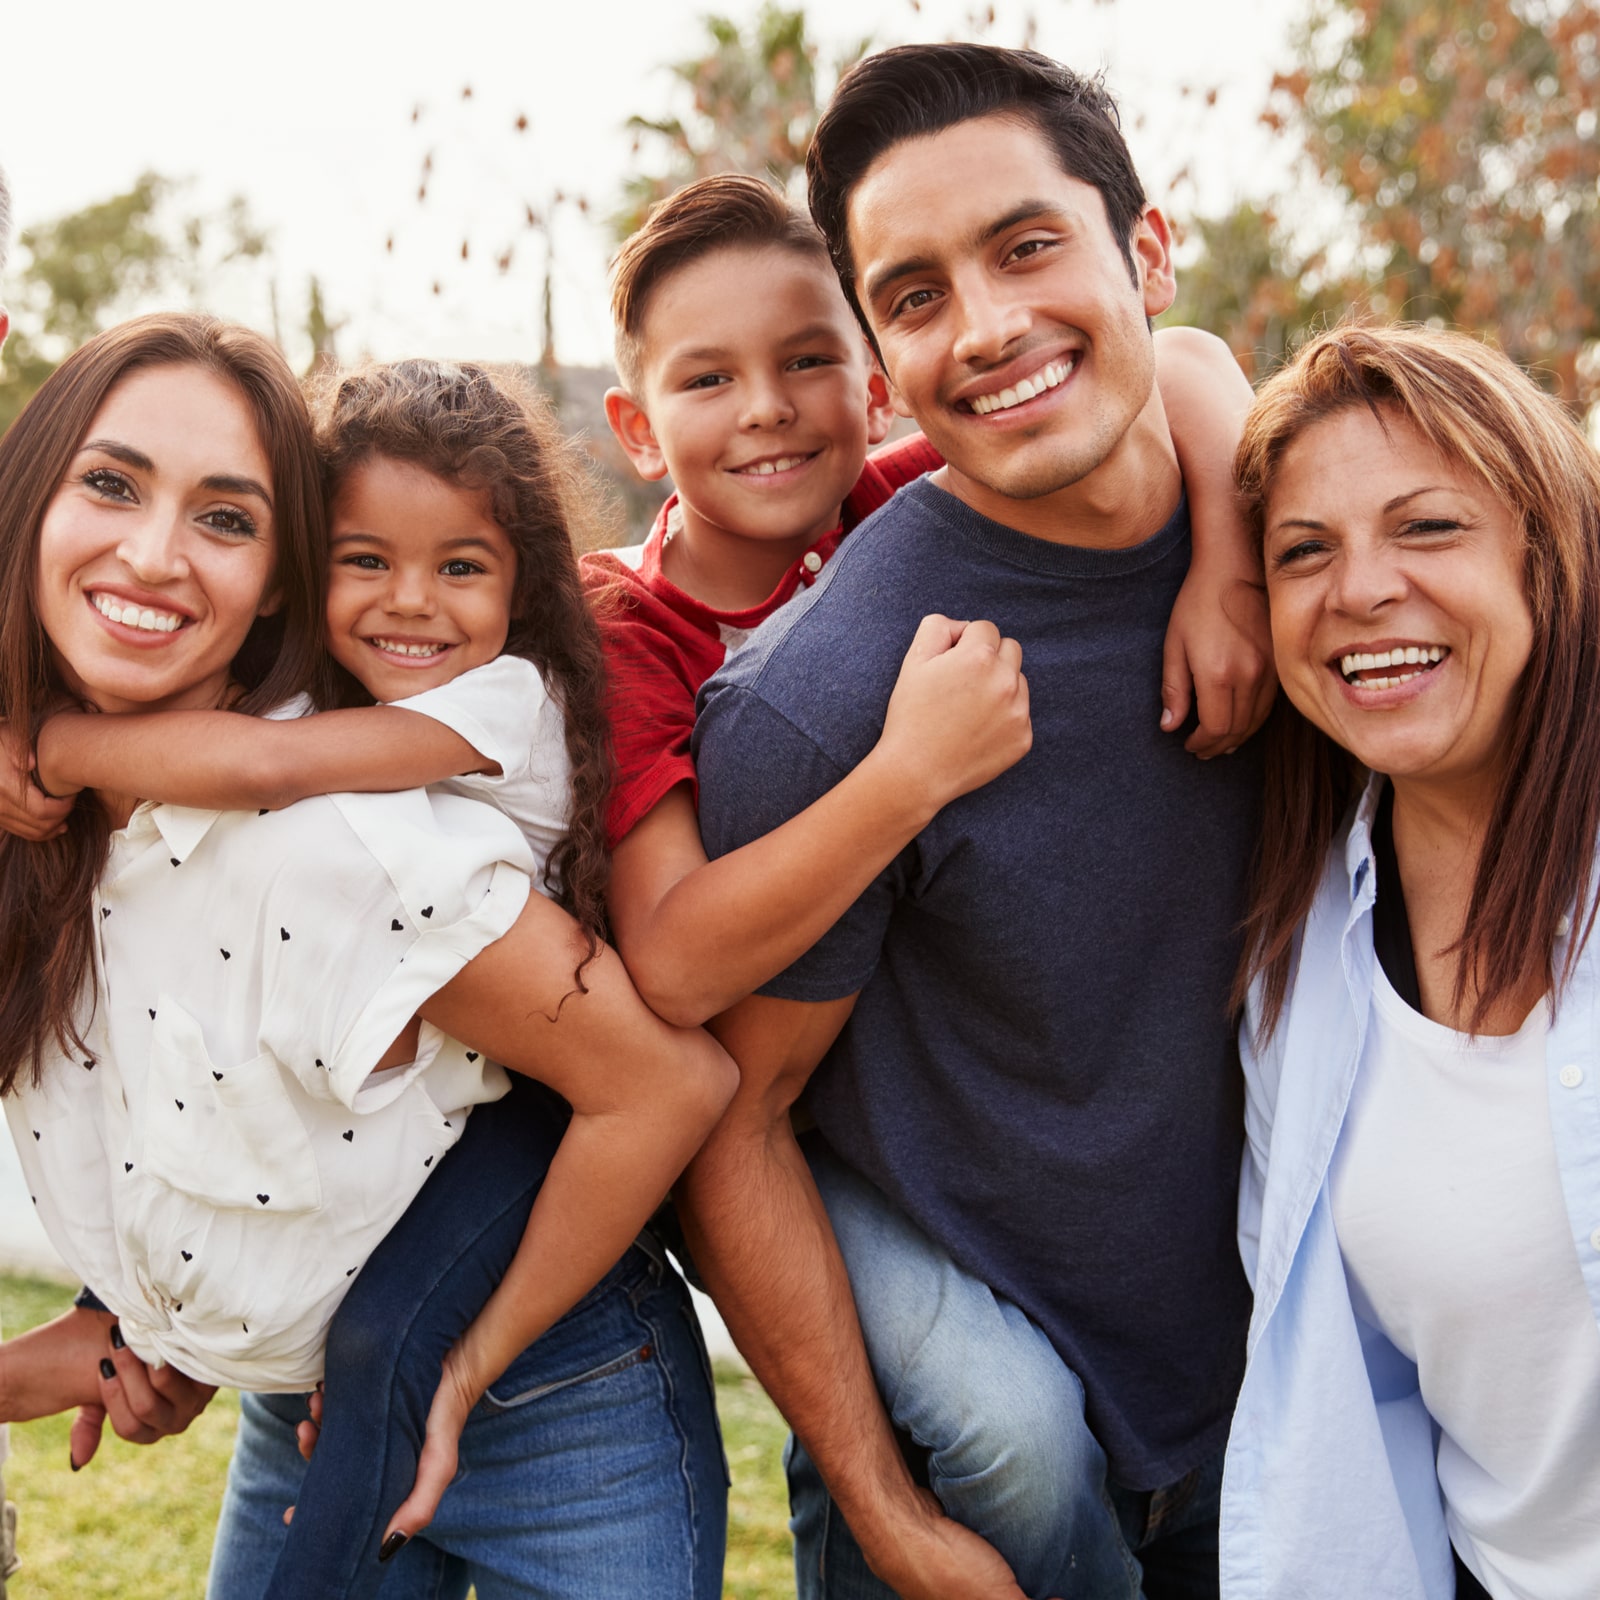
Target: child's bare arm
<point>225,760</point>
<point>698,936</point>
<point>1217,646</point>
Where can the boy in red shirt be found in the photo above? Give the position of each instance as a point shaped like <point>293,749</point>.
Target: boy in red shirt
<point>745,376</point>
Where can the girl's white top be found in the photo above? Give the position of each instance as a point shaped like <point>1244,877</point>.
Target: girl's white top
<point>505,712</point>
<point>1447,1201</point>
<point>221,1160</point>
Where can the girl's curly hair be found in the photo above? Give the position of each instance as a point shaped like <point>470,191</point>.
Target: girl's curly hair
<point>493,433</point>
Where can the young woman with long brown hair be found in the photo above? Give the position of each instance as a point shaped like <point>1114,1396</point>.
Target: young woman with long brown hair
<point>1420,1213</point>
<point>229,1065</point>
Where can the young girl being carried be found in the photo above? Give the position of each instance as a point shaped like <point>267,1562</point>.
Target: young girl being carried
<point>463,656</point>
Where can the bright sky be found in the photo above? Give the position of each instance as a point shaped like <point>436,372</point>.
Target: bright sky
<point>305,107</point>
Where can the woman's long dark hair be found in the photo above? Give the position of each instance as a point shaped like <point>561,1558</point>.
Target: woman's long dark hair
<point>492,433</point>
<point>1537,861</point>
<point>46,890</point>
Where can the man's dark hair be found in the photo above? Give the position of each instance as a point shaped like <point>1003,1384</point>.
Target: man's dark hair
<point>920,89</point>
<point>5,220</point>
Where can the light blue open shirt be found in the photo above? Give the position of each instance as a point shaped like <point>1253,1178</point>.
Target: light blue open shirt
<point>1330,1490</point>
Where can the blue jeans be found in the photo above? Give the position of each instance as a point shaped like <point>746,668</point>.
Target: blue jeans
<point>594,1460</point>
<point>999,1419</point>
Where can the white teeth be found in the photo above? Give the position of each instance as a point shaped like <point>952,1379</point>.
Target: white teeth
<point>398,647</point>
<point>1045,379</point>
<point>765,469</point>
<point>1424,655</point>
<point>145,620</point>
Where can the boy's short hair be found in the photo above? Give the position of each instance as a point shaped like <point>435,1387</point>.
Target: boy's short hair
<point>728,209</point>
<point>5,220</point>
<point>916,90</point>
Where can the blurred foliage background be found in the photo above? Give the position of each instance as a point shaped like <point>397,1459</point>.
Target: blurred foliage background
<point>1445,163</point>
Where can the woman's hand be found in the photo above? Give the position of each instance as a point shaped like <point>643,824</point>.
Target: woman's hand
<point>460,1389</point>
<point>79,1360</point>
<point>25,810</point>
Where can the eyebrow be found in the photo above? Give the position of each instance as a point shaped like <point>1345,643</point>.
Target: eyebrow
<point>468,541</point>
<point>1388,506</point>
<point>1023,211</point>
<point>218,482</point>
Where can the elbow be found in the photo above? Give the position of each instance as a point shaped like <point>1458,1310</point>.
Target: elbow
<point>706,1089</point>
<point>676,993</point>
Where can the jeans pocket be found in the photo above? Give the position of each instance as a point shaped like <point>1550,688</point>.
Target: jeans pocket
<point>601,1336</point>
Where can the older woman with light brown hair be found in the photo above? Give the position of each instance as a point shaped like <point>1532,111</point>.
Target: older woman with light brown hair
<point>1420,1212</point>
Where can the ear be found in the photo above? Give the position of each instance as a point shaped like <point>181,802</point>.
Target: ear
<point>634,433</point>
<point>272,603</point>
<point>1152,257</point>
<point>880,411</point>
<point>5,325</point>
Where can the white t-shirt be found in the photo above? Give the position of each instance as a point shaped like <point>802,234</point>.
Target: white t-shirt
<point>508,715</point>
<point>1447,1202</point>
<point>222,1159</point>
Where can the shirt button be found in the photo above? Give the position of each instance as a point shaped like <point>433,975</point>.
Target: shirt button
<point>1564,926</point>
<point>1571,1077</point>
<point>811,561</point>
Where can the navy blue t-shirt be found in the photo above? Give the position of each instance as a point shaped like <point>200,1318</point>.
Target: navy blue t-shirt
<point>1040,1069</point>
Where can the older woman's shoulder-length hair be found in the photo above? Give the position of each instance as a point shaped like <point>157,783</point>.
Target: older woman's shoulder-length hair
<point>1537,864</point>
<point>46,889</point>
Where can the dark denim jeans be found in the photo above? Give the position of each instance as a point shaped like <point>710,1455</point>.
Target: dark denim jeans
<point>592,1469</point>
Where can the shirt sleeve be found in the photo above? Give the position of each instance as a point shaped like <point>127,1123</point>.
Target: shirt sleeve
<point>652,719</point>
<point>493,707</point>
<point>365,916</point>
<point>756,772</point>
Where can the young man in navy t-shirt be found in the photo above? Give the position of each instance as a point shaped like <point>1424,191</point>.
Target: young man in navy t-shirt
<point>1016,1042</point>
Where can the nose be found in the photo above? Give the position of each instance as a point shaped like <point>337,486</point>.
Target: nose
<point>767,404</point>
<point>988,320</point>
<point>409,591</point>
<point>151,547</point>
<point>1366,578</point>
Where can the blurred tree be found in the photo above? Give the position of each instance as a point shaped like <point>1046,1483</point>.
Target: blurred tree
<point>83,271</point>
<point>753,101</point>
<point>1459,142</point>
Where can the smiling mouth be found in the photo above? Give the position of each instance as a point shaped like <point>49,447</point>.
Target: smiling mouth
<point>772,464</point>
<point>424,651</point>
<point>1050,376</point>
<point>1377,671</point>
<point>144,618</point>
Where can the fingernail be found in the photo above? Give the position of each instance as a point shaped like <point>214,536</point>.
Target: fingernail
<point>392,1544</point>
<point>1166,719</point>
<point>117,1341</point>
<point>107,1369</point>
<point>74,1462</point>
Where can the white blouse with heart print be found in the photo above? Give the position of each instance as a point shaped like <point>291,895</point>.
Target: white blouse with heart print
<point>221,1160</point>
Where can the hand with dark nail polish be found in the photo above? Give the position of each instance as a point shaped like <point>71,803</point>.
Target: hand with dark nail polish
<point>107,1369</point>
<point>392,1544</point>
<point>117,1341</point>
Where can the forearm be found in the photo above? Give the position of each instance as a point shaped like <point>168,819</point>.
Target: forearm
<point>1206,398</point>
<point>226,761</point>
<point>731,925</point>
<point>53,1367</point>
<point>763,1243</point>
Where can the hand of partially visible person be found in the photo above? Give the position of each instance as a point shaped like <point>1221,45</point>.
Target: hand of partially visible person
<point>958,716</point>
<point>1218,653</point>
<point>25,810</point>
<point>939,1559</point>
<point>460,1389</point>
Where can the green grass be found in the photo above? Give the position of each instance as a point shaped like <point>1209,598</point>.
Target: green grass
<point>136,1524</point>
